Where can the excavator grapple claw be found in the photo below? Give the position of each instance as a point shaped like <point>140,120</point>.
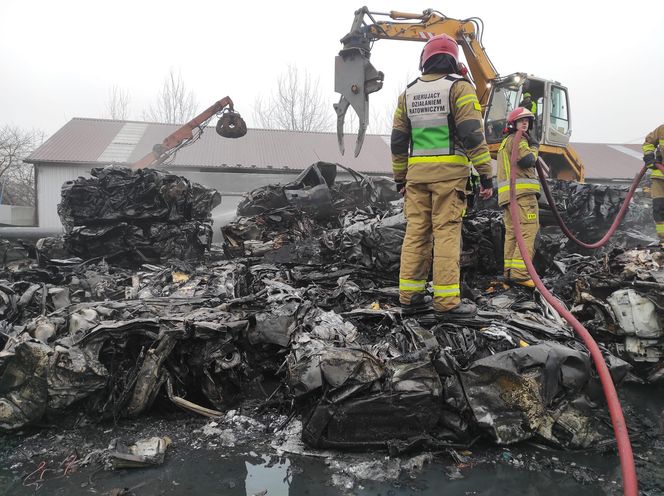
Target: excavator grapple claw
<point>355,80</point>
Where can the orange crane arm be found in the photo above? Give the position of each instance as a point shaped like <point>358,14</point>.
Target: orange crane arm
<point>230,125</point>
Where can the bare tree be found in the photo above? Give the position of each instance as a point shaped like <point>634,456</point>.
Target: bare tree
<point>117,106</point>
<point>297,104</point>
<point>17,179</point>
<point>175,104</point>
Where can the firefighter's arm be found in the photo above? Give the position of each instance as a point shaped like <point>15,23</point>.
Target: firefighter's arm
<point>400,140</point>
<point>527,154</point>
<point>467,114</point>
<point>650,144</point>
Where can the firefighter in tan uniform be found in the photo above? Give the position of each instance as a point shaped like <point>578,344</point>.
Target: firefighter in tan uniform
<point>527,191</point>
<point>653,150</point>
<point>436,136</point>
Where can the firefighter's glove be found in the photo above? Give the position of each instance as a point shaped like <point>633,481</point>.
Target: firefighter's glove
<point>486,187</point>
<point>401,187</point>
<point>649,160</point>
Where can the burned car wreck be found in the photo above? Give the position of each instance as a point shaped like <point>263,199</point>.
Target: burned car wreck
<point>298,311</point>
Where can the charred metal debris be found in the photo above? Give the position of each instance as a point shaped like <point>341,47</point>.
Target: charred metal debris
<point>298,311</point>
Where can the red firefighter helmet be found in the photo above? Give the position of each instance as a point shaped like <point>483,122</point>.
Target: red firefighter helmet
<point>519,113</point>
<point>515,115</point>
<point>441,43</point>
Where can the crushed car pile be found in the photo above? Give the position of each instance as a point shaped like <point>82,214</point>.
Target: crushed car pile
<point>134,216</point>
<point>298,311</point>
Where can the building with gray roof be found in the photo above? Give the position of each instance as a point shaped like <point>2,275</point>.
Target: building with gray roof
<point>234,166</point>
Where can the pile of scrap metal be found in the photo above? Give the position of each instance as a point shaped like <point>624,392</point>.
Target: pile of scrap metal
<point>589,210</point>
<point>303,296</point>
<point>620,299</point>
<point>136,216</point>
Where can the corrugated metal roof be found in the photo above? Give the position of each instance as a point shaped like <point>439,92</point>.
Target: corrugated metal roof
<point>101,141</point>
<point>122,146</point>
<point>259,149</point>
<point>78,141</point>
<point>610,160</point>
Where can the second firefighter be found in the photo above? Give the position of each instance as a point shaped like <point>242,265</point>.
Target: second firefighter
<point>653,150</point>
<point>527,193</point>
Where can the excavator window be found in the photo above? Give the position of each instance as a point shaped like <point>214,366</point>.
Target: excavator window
<point>503,100</point>
<point>559,115</point>
<point>537,92</point>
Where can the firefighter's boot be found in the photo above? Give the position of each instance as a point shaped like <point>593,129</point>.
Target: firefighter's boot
<point>463,311</point>
<point>525,283</point>
<point>419,303</point>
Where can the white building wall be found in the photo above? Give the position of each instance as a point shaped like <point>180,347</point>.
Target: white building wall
<point>50,179</point>
<point>12,215</point>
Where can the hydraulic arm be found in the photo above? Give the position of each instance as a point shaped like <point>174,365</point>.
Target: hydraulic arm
<point>230,125</point>
<point>356,78</point>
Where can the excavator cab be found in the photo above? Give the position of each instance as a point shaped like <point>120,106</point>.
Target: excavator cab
<point>552,118</point>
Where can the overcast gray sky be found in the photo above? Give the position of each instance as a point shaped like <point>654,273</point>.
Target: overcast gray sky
<point>59,59</point>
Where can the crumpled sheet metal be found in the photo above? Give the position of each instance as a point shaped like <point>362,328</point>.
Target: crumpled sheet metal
<point>620,299</point>
<point>317,192</point>
<point>23,386</point>
<point>366,388</point>
<point>589,209</point>
<point>346,370</point>
<point>370,234</point>
<point>204,334</point>
<point>119,194</point>
<point>35,378</point>
<point>12,251</point>
<point>369,404</point>
<point>276,326</point>
<point>142,453</point>
<point>118,366</point>
<point>132,245</point>
<point>523,392</point>
<point>134,216</point>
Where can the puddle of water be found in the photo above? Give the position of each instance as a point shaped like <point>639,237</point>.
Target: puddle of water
<point>269,474</point>
<point>203,472</point>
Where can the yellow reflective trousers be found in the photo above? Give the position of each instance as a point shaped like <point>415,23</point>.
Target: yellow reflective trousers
<point>433,212</point>
<point>515,267</point>
<point>657,194</point>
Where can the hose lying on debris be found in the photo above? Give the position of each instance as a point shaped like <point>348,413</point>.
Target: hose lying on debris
<point>561,223</point>
<point>630,484</point>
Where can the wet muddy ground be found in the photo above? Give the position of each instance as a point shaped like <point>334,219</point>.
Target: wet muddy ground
<point>240,455</point>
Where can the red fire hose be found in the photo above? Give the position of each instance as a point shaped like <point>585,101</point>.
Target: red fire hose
<point>630,484</point>
<point>616,222</point>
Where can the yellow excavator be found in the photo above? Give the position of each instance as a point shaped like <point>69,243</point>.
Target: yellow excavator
<point>356,78</point>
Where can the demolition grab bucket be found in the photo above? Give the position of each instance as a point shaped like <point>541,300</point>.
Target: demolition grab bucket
<point>630,483</point>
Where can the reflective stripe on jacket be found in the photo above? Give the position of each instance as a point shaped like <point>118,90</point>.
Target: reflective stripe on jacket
<point>433,139</point>
<point>526,178</point>
<point>654,140</point>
